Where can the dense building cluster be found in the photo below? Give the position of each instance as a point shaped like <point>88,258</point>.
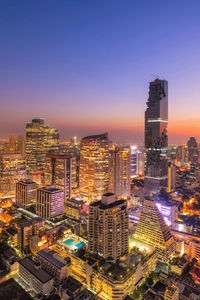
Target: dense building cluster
<point>97,220</point>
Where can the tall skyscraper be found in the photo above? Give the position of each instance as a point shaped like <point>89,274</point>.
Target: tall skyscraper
<point>193,152</point>
<point>94,167</point>
<point>50,202</point>
<point>152,229</point>
<point>122,172</point>
<point>40,140</point>
<point>26,191</point>
<point>156,138</point>
<point>108,228</point>
<point>60,170</point>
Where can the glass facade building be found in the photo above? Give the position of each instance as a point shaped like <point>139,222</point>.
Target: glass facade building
<point>94,167</point>
<point>156,138</point>
<point>40,140</point>
<point>60,170</point>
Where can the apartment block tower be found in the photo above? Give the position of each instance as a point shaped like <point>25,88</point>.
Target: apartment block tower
<point>40,140</point>
<point>193,152</point>
<point>50,202</point>
<point>108,228</point>
<point>152,229</point>
<point>26,191</point>
<point>94,167</point>
<point>156,138</point>
<point>171,178</point>
<point>122,173</point>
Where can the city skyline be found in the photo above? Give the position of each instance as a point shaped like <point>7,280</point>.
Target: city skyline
<point>108,53</point>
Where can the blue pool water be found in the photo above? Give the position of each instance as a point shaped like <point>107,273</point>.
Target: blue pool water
<point>72,243</point>
<point>79,245</point>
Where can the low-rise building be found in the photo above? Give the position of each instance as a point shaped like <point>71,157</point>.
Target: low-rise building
<point>72,289</point>
<point>73,207</point>
<point>54,264</point>
<point>32,277</point>
<point>171,293</point>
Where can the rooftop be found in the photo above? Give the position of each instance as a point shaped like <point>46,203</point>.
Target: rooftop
<point>35,270</point>
<point>111,205</point>
<point>52,257</point>
<point>71,284</point>
<point>96,137</point>
<point>51,189</point>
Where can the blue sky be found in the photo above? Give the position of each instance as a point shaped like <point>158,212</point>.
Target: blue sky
<point>85,65</point>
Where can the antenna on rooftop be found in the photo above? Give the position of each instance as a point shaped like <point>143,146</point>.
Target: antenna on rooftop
<point>155,76</point>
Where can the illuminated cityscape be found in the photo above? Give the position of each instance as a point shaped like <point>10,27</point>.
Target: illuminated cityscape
<point>94,171</point>
<point>107,205</point>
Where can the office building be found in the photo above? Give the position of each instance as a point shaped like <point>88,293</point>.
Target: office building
<point>169,210</point>
<point>152,229</point>
<point>26,191</point>
<point>122,173</point>
<point>108,228</point>
<point>32,276</point>
<point>193,152</point>
<point>54,264</point>
<point>50,202</point>
<point>26,229</point>
<point>60,170</point>
<point>40,140</point>
<point>137,162</point>
<point>94,167</point>
<point>171,178</point>
<point>38,225</point>
<point>15,145</point>
<point>73,207</point>
<point>12,169</point>
<point>156,138</point>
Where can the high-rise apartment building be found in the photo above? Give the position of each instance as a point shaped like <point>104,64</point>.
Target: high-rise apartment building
<point>152,229</point>
<point>171,178</point>
<point>108,228</point>
<point>137,162</point>
<point>12,169</point>
<point>156,138</point>
<point>40,140</point>
<point>193,152</point>
<point>60,170</point>
<point>122,172</point>
<point>94,167</point>
<point>182,155</point>
<point>26,191</point>
<point>50,202</point>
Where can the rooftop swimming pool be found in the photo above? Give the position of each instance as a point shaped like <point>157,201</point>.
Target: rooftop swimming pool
<point>73,243</point>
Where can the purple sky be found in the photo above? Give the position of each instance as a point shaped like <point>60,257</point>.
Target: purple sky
<point>84,66</point>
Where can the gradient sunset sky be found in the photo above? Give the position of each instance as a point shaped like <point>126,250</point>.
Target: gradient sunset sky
<point>85,65</point>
